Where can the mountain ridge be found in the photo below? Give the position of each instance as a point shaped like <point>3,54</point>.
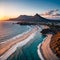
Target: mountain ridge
<point>35,18</point>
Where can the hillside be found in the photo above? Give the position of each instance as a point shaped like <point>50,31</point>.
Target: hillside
<point>36,19</point>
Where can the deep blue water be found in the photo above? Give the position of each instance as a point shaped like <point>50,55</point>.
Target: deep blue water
<point>29,51</point>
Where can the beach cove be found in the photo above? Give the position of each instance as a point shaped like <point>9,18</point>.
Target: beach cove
<point>32,37</point>
<point>10,43</point>
<point>31,45</point>
<point>29,50</point>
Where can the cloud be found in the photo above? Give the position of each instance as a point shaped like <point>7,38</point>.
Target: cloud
<point>56,14</point>
<point>51,14</point>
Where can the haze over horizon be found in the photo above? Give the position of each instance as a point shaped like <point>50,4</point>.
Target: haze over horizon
<point>14,8</point>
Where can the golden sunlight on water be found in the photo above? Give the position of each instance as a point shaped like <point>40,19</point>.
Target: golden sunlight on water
<point>2,18</point>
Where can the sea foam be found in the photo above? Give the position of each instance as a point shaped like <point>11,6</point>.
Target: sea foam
<point>20,44</point>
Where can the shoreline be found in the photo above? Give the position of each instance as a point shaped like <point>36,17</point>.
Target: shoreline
<point>39,49</point>
<point>44,50</point>
<point>22,42</point>
<point>17,36</point>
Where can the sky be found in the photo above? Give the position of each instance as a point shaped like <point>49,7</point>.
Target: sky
<point>14,8</point>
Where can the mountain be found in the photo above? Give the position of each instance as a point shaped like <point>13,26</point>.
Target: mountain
<point>35,18</point>
<point>24,17</point>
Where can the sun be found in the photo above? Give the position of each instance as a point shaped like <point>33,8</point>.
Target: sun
<point>3,15</point>
<point>3,18</point>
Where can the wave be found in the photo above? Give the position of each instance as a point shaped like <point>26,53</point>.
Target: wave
<point>19,35</point>
<point>39,49</point>
<point>20,44</point>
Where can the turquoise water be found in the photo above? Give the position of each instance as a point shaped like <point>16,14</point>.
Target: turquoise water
<point>29,51</point>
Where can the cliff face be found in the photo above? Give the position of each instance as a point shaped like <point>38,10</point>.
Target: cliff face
<point>55,44</point>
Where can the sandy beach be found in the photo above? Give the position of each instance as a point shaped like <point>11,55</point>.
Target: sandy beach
<point>6,46</point>
<point>44,50</point>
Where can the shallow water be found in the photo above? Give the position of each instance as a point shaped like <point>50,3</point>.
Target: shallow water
<point>29,51</point>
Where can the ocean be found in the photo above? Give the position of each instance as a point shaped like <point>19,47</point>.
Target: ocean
<point>28,51</point>
<point>9,30</point>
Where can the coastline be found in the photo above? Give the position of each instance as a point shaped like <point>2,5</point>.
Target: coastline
<point>39,50</point>
<point>17,36</point>
<point>27,37</point>
<point>55,44</point>
<point>44,50</point>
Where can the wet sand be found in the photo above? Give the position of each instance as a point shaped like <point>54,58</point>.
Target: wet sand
<point>45,51</point>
